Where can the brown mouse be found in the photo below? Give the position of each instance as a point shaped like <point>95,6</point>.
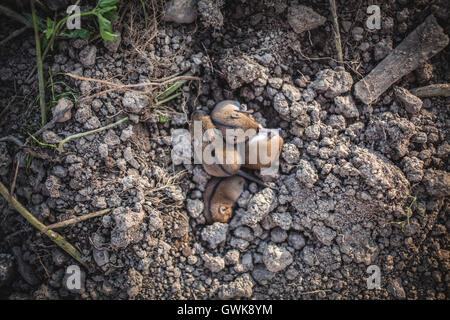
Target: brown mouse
<point>262,150</point>
<point>229,116</point>
<point>219,197</point>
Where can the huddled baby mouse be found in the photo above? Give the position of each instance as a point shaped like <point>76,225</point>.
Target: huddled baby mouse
<point>251,146</point>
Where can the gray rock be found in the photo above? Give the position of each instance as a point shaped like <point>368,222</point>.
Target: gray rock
<point>276,258</point>
<point>437,182</point>
<point>262,275</point>
<point>241,70</point>
<point>290,153</point>
<point>88,55</point>
<point>194,207</point>
<point>50,137</point>
<point>296,240</point>
<point>210,13</point>
<point>127,225</point>
<point>180,11</point>
<point>333,83</point>
<point>324,234</point>
<point>410,102</point>
<point>214,264</point>
<point>382,49</point>
<point>346,106</point>
<point>101,257</point>
<point>259,206</point>
<point>135,102</point>
<point>52,187</point>
<point>357,33</point>
<point>215,234</point>
<point>278,235</point>
<point>241,287</point>
<point>413,168</point>
<point>244,233</point>
<point>63,104</point>
<point>232,257</point>
<point>126,133</point>
<point>302,18</point>
<point>154,220</point>
<point>313,132</point>
<point>103,150</point>
<point>282,219</point>
<point>175,193</point>
<point>291,92</point>
<point>281,105</point>
<point>306,174</point>
<point>113,45</point>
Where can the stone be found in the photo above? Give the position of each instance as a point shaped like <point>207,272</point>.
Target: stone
<point>135,102</point>
<point>194,207</point>
<point>101,257</point>
<point>410,102</point>
<point>127,225</point>
<point>296,240</point>
<point>306,174</point>
<point>302,18</point>
<point>215,234</point>
<point>180,11</point>
<point>88,55</point>
<point>333,83</point>
<point>154,220</point>
<point>214,264</point>
<point>276,258</point>
<point>259,206</point>
<point>241,287</point>
<point>346,106</point>
<point>63,104</point>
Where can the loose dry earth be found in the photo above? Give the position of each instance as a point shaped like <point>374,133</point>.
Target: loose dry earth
<point>359,185</point>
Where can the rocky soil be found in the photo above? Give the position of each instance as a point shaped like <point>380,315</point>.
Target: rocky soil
<point>358,184</point>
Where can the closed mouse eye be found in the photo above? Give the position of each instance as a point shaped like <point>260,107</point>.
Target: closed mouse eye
<point>234,115</point>
<point>222,209</point>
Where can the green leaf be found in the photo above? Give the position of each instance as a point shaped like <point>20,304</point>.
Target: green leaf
<point>77,33</point>
<point>50,28</point>
<point>106,35</point>
<point>163,119</point>
<point>106,3</point>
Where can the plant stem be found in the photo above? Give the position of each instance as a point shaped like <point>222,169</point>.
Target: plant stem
<point>337,36</point>
<point>39,67</point>
<point>55,237</point>
<point>79,135</point>
<point>167,99</point>
<point>69,222</point>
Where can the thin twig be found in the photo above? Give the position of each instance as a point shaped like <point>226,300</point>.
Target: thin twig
<point>14,15</point>
<point>433,90</point>
<point>39,67</point>
<point>13,140</point>
<point>337,35</point>
<point>55,237</point>
<point>79,135</point>
<point>16,33</point>
<point>16,171</point>
<point>69,222</point>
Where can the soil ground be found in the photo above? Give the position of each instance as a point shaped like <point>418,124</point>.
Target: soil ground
<point>357,187</point>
